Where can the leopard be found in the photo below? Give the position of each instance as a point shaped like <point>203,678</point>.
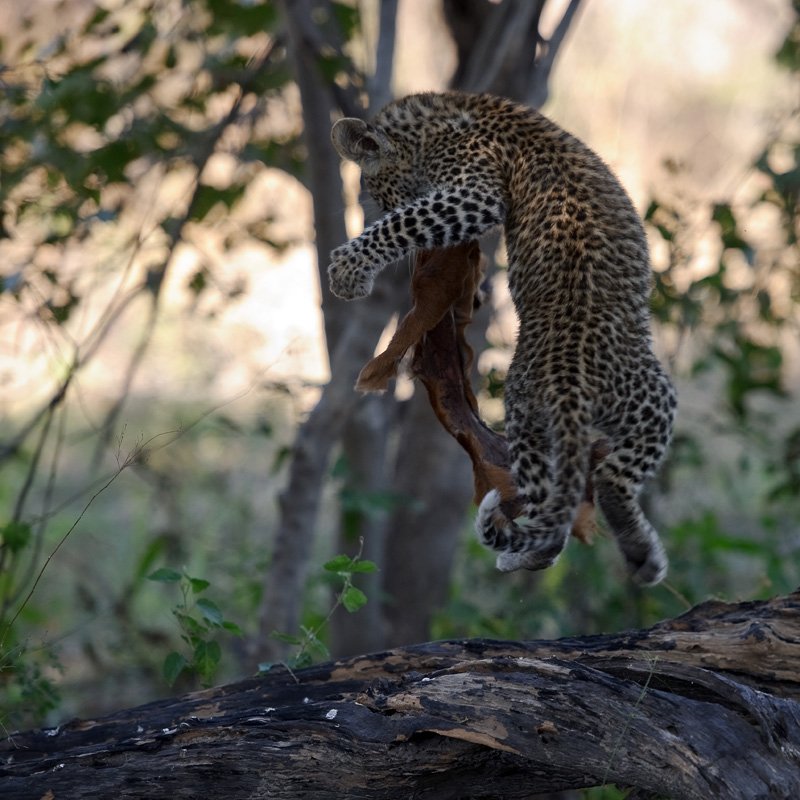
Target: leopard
<point>449,167</point>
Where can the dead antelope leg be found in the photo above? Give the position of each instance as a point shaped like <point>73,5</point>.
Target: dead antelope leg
<point>440,281</point>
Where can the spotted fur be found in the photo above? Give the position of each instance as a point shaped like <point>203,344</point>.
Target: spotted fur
<point>447,168</point>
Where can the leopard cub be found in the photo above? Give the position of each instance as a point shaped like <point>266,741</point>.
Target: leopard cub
<point>449,167</point>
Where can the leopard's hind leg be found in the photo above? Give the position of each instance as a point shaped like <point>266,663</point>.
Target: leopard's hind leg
<point>550,445</point>
<point>530,450</point>
<point>639,443</point>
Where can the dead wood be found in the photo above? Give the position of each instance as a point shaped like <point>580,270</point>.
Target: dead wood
<point>705,705</point>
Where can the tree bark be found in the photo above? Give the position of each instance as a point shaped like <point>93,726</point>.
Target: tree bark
<point>351,331</point>
<point>703,706</point>
<point>430,470</point>
<point>497,51</point>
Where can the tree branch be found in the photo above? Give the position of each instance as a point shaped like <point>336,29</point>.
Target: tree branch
<point>540,78</point>
<point>706,705</point>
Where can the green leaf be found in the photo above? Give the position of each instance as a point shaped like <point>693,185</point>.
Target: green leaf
<point>651,210</point>
<point>750,367</point>
<point>192,627</point>
<point>348,17</point>
<point>313,645</point>
<point>723,215</point>
<point>149,556</point>
<point>340,469</point>
<point>788,55</point>
<point>232,627</point>
<point>339,563</point>
<point>353,598</point>
<point>264,428</point>
<point>206,197</point>
<point>281,457</point>
<point>663,219</point>
<point>332,64</point>
<point>199,281</point>
<point>207,656</point>
<point>112,160</point>
<point>99,16</point>
<point>363,565</point>
<point>165,575</point>
<point>61,311</point>
<point>210,612</point>
<point>174,664</point>
<point>16,535</point>
<point>198,585</point>
<point>242,18</point>
<point>301,660</point>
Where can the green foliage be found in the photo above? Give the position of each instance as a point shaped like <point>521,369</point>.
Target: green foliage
<point>28,675</point>
<point>15,536</point>
<point>80,128</point>
<point>138,93</point>
<point>738,321</point>
<point>200,620</point>
<point>734,322</point>
<point>28,686</point>
<point>788,55</point>
<point>341,570</point>
<point>153,88</point>
<point>495,381</point>
<point>236,18</point>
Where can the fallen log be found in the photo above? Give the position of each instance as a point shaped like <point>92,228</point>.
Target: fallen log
<point>703,706</point>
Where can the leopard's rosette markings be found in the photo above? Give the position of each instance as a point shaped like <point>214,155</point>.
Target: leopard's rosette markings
<point>449,167</point>
<point>445,290</point>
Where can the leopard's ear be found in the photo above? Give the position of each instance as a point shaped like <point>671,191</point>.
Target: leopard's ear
<point>356,141</point>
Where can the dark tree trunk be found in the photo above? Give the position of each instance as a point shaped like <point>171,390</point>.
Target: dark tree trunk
<point>351,331</point>
<point>435,478</point>
<point>496,43</point>
<point>703,706</point>
<point>500,50</point>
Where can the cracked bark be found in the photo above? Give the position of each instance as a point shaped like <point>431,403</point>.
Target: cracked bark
<point>705,705</point>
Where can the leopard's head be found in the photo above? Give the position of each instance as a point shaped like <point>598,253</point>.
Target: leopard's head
<point>387,166</point>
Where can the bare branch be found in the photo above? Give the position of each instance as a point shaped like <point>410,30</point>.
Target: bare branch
<point>540,79</point>
<point>380,83</point>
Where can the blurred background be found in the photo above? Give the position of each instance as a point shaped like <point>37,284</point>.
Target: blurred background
<point>182,451</point>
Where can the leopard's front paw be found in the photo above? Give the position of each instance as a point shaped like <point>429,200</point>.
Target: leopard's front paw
<point>348,276</point>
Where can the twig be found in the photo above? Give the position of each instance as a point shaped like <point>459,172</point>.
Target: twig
<point>138,453</point>
<point>21,498</point>
<point>623,733</point>
<point>311,635</point>
<point>135,454</point>
<point>42,524</point>
<point>46,500</point>
<point>537,94</point>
